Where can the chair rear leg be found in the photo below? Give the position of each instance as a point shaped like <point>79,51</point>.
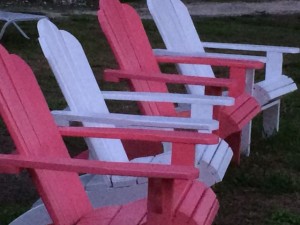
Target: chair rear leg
<point>234,141</point>
<point>271,120</point>
<point>246,139</point>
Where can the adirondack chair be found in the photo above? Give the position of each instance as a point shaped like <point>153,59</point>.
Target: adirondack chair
<point>124,31</point>
<point>174,197</point>
<point>79,87</point>
<point>180,36</point>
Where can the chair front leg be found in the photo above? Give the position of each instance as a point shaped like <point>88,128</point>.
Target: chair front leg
<point>160,201</point>
<point>246,132</point>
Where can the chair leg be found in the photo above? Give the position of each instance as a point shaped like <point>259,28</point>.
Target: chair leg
<point>271,119</point>
<point>4,28</point>
<point>246,139</point>
<point>234,141</point>
<point>159,207</point>
<point>20,30</point>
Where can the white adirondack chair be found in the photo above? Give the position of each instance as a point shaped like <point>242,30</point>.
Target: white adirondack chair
<point>86,104</point>
<point>180,37</point>
<point>77,82</point>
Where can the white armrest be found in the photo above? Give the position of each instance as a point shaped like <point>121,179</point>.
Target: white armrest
<point>250,47</point>
<point>126,120</point>
<point>167,97</point>
<point>165,52</point>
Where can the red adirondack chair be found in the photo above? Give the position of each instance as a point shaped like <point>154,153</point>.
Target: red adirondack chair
<point>124,31</point>
<point>174,197</point>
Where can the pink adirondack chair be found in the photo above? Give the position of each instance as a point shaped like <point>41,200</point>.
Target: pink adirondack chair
<point>124,31</point>
<point>174,197</point>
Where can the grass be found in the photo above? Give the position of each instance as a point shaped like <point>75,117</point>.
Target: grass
<point>263,190</point>
<point>8,212</point>
<point>283,217</point>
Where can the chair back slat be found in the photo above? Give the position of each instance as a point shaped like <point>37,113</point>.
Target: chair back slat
<point>78,84</point>
<point>26,114</point>
<point>128,40</point>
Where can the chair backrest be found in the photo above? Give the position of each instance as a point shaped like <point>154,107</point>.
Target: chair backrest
<point>26,114</point>
<point>128,40</point>
<point>178,32</point>
<point>78,84</point>
<point>125,33</point>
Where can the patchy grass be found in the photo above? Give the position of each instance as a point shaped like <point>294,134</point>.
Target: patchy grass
<point>283,217</point>
<point>263,190</point>
<point>10,212</point>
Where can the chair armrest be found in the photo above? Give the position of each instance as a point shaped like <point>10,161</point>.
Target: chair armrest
<point>168,97</point>
<point>235,85</point>
<point>141,134</point>
<point>116,75</point>
<point>101,167</point>
<point>213,61</point>
<point>166,52</point>
<point>126,120</point>
<point>250,47</point>
<point>237,68</point>
<point>9,169</point>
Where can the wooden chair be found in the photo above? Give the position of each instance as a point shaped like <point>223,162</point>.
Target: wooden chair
<point>124,31</point>
<point>180,37</point>
<point>79,87</point>
<point>174,197</point>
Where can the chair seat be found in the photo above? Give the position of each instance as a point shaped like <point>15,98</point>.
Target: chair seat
<point>132,213</point>
<point>198,205</point>
<point>270,89</point>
